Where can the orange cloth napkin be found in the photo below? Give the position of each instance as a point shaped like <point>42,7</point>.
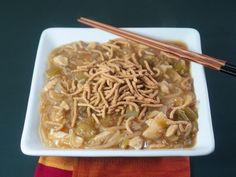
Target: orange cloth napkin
<point>113,167</point>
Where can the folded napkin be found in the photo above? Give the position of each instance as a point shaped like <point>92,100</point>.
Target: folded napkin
<point>113,167</point>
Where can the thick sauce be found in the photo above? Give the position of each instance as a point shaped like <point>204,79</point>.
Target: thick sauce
<point>119,94</point>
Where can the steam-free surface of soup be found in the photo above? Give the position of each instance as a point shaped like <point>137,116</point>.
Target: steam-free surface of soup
<point>117,94</point>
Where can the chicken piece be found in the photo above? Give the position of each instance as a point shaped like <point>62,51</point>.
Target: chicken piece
<point>100,138</point>
<point>173,138</point>
<point>171,130</point>
<point>61,60</point>
<point>156,126</point>
<point>110,141</point>
<point>188,129</point>
<point>75,141</point>
<point>56,114</point>
<point>164,87</point>
<point>57,134</point>
<point>136,142</point>
<point>60,137</point>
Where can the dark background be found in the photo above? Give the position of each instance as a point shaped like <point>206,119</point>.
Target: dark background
<point>21,23</point>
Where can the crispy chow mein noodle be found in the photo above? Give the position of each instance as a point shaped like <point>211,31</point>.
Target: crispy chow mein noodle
<point>118,94</point>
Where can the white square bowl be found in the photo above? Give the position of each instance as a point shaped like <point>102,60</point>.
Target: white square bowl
<point>54,37</point>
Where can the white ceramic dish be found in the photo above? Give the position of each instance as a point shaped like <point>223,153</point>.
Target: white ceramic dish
<point>54,37</point>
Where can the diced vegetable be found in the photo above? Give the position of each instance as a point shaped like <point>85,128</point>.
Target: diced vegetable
<point>53,71</point>
<point>136,142</point>
<point>173,138</point>
<point>180,67</point>
<point>159,118</point>
<point>186,114</point>
<point>85,129</point>
<point>130,113</point>
<point>55,95</point>
<point>175,77</point>
<point>124,143</point>
<point>190,113</point>
<point>60,60</point>
<point>181,115</point>
<point>152,114</point>
<point>155,127</point>
<point>162,123</point>
<point>178,101</point>
<point>80,76</point>
<point>195,127</point>
<point>102,137</point>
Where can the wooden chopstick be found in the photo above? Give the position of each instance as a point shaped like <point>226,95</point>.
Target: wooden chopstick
<point>202,59</point>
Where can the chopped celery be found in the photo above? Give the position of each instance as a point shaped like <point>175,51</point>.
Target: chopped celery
<point>181,115</point>
<point>130,113</point>
<point>180,67</point>
<point>53,71</point>
<point>186,114</point>
<point>190,113</point>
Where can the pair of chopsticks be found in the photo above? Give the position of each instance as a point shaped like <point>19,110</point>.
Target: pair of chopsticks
<point>210,62</point>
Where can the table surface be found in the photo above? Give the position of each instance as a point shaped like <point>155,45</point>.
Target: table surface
<point>23,21</point>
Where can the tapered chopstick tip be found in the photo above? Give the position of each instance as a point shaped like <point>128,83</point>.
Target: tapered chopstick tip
<point>80,19</point>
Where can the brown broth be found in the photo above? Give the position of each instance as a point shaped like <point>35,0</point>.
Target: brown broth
<point>70,86</point>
